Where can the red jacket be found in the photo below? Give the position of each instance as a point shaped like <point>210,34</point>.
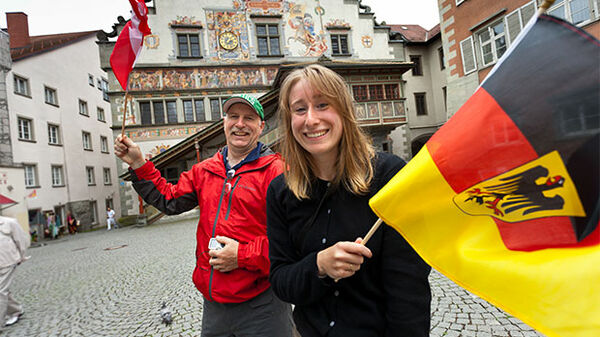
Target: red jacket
<point>234,207</point>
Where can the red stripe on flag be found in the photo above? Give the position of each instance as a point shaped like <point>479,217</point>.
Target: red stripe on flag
<point>479,142</point>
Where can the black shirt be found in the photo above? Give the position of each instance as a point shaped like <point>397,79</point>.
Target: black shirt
<point>388,296</point>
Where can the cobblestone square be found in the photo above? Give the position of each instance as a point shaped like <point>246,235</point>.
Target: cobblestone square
<point>112,283</point>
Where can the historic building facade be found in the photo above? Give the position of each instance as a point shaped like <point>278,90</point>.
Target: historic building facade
<point>475,34</point>
<point>201,52</point>
<point>59,125</point>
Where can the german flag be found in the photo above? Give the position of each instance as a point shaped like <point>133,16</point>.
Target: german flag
<point>503,199</point>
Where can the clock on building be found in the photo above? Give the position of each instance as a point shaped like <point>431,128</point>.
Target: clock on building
<point>228,40</point>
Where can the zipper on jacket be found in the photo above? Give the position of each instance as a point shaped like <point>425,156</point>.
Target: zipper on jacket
<point>212,269</point>
<point>231,196</point>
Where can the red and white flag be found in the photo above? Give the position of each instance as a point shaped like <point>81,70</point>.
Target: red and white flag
<point>130,41</point>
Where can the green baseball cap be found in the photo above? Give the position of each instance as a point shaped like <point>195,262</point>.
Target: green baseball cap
<point>246,99</point>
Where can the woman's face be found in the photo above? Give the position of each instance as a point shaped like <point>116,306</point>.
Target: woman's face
<point>316,124</point>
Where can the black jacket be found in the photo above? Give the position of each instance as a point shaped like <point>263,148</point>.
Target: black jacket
<point>388,296</point>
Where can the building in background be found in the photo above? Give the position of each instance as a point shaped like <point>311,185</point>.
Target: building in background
<point>201,52</point>
<point>475,34</point>
<point>59,125</point>
<point>425,87</point>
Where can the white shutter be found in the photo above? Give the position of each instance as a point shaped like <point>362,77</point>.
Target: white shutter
<point>513,25</point>
<point>596,9</point>
<point>467,51</point>
<point>527,12</point>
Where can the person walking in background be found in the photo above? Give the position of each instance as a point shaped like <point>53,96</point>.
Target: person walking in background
<point>317,212</point>
<point>110,218</point>
<point>232,266</point>
<point>13,243</point>
<point>71,223</point>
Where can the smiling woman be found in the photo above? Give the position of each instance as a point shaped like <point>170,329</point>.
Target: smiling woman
<point>317,212</point>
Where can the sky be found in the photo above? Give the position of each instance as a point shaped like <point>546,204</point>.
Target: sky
<point>65,16</point>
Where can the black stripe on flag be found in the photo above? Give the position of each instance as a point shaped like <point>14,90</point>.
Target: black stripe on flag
<point>550,87</point>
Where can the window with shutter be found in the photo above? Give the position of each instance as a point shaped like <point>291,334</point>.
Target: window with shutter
<point>468,55</point>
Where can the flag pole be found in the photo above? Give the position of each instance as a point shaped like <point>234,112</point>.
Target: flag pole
<point>371,231</point>
<point>127,96</point>
<point>544,7</point>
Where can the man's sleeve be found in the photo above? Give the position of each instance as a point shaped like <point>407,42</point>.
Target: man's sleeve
<point>22,239</point>
<point>168,198</point>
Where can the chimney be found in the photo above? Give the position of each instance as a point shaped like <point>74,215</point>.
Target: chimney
<point>18,29</point>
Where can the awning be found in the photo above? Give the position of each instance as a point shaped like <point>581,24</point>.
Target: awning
<point>5,200</point>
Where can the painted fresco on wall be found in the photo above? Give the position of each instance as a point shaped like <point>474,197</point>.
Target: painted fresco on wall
<point>367,41</point>
<point>184,20</point>
<point>308,37</point>
<point>337,23</point>
<point>145,80</point>
<point>260,7</point>
<point>234,25</point>
<point>162,133</point>
<point>155,151</point>
<point>129,117</point>
<point>200,78</point>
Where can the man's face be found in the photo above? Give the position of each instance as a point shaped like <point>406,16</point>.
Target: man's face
<point>242,128</point>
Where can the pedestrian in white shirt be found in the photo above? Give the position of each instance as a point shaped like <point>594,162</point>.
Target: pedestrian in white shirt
<point>110,218</point>
<point>13,243</point>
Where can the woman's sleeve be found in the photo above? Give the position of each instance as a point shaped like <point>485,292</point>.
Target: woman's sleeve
<point>405,276</point>
<point>294,279</point>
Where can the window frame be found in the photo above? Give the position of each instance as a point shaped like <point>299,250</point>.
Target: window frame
<point>267,35</point>
<point>88,146</point>
<point>568,14</point>
<point>442,58</point>
<point>59,169</point>
<point>91,80</point>
<point>26,87</point>
<point>492,41</point>
<point>338,35</point>
<point>90,175</point>
<point>54,92</point>
<point>100,113</point>
<point>21,129</point>
<point>106,181</point>
<point>418,69</point>
<point>83,108</point>
<point>104,144</point>
<point>419,112</point>
<point>33,177</point>
<point>188,45</point>
<point>57,136</point>
<point>368,91</point>
<point>194,111</point>
<point>212,113</point>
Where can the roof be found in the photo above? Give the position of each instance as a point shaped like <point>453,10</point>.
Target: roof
<point>416,33</point>
<point>44,43</point>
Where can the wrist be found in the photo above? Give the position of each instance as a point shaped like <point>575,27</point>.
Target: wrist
<point>320,268</point>
<point>137,164</point>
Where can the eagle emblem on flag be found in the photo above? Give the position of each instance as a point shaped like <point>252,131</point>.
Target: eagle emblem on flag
<point>540,188</point>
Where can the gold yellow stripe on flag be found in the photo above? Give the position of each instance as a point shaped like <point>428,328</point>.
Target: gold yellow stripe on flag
<point>556,291</point>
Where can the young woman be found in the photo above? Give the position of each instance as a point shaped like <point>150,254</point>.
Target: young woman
<point>317,212</point>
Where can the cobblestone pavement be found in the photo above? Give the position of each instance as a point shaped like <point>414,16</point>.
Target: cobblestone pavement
<point>112,283</point>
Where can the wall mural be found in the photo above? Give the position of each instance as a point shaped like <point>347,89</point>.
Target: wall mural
<point>158,149</point>
<point>227,35</point>
<point>200,78</point>
<point>260,7</point>
<point>162,133</point>
<point>184,20</point>
<point>301,21</point>
<point>337,23</point>
<point>130,117</point>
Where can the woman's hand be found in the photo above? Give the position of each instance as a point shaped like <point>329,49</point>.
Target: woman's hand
<point>342,259</point>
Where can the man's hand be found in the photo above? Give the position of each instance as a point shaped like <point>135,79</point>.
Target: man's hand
<point>342,259</point>
<point>224,259</point>
<point>129,152</point>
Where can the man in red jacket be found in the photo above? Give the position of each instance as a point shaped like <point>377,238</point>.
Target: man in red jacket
<point>232,249</point>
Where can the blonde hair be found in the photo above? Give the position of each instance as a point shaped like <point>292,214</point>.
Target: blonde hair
<point>354,169</point>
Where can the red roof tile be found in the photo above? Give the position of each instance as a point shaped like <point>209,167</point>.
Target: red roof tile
<point>416,33</point>
<point>43,43</point>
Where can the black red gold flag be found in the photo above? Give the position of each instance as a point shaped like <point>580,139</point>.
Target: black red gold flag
<point>503,199</point>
